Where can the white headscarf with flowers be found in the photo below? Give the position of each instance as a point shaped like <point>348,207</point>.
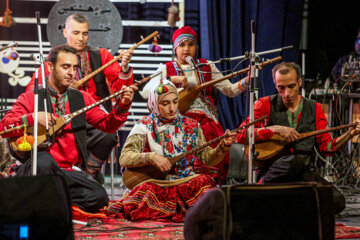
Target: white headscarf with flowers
<point>168,138</point>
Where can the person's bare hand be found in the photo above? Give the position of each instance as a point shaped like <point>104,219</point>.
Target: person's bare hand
<point>127,96</point>
<point>161,163</point>
<point>356,129</point>
<point>125,59</point>
<point>180,80</point>
<point>42,119</point>
<point>228,141</point>
<point>289,133</point>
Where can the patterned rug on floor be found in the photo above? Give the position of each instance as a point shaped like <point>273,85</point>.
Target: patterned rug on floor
<point>342,231</point>
<point>120,228</point>
<point>123,229</point>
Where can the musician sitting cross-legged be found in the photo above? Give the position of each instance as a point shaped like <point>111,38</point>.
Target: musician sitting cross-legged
<point>289,115</point>
<point>90,59</point>
<point>152,144</point>
<point>67,154</point>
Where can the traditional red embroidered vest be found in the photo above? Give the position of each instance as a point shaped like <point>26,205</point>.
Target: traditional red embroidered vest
<point>173,69</point>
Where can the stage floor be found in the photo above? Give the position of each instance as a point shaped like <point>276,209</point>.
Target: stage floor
<point>118,228</point>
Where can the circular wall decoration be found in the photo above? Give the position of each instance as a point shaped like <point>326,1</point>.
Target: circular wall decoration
<point>105,24</point>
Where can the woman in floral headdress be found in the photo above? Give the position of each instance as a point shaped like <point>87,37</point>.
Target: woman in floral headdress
<point>203,109</point>
<point>155,138</point>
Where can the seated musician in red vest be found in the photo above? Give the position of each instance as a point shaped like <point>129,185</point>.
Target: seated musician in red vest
<point>154,139</point>
<point>289,114</point>
<point>67,153</point>
<point>90,58</point>
<point>203,109</point>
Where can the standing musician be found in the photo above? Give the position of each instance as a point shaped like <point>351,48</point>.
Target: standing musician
<point>203,109</point>
<point>288,115</point>
<point>76,32</point>
<point>68,151</point>
<point>165,133</point>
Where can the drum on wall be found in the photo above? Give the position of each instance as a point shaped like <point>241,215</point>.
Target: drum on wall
<point>105,24</point>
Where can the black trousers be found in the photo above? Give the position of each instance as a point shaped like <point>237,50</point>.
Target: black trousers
<point>85,192</point>
<point>99,143</point>
<point>293,168</point>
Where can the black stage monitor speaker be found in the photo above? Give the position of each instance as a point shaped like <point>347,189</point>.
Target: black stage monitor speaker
<point>300,211</point>
<point>35,208</point>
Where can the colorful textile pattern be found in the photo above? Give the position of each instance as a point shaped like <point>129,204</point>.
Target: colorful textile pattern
<point>124,229</point>
<point>153,202</point>
<point>211,130</point>
<point>343,232</point>
<point>59,101</point>
<point>179,136</point>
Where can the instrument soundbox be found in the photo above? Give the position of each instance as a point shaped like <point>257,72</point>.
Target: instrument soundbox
<point>187,97</point>
<point>277,146</point>
<point>134,176</point>
<point>63,121</point>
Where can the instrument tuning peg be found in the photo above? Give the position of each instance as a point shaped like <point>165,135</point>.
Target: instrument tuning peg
<point>142,37</point>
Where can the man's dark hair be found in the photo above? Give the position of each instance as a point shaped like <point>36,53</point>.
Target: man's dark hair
<point>285,67</point>
<point>54,52</point>
<point>77,18</point>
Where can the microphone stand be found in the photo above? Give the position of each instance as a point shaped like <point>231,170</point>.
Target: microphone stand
<point>252,88</point>
<point>36,96</point>
<point>245,56</point>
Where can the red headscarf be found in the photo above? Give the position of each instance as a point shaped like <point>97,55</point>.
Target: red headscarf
<point>183,34</point>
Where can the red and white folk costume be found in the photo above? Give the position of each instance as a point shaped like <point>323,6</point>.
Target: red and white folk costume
<point>203,109</point>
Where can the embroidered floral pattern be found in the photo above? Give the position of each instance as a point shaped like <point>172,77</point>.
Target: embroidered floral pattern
<point>179,136</point>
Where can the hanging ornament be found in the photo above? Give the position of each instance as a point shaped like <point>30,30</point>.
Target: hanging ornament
<point>9,55</point>
<point>173,15</point>
<point>7,19</point>
<point>25,142</point>
<point>154,47</point>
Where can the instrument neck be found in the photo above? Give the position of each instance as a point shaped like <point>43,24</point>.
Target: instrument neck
<point>173,160</point>
<point>73,115</point>
<point>313,133</point>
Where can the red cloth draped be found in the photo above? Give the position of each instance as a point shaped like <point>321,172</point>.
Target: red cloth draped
<point>211,130</point>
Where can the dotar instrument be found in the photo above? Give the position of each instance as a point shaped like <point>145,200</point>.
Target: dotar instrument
<point>277,146</point>
<point>61,122</point>
<point>187,97</point>
<point>134,176</point>
<point>77,84</point>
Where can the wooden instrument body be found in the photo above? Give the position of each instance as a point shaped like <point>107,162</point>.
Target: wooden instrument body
<point>134,176</point>
<point>137,175</point>
<point>269,150</point>
<point>60,123</point>
<point>187,97</point>
<point>277,146</point>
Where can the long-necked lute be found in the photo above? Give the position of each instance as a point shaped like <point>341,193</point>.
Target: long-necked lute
<point>134,176</point>
<point>187,97</point>
<point>277,146</point>
<point>77,84</point>
<point>61,122</point>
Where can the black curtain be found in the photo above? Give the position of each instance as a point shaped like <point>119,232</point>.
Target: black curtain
<point>225,31</point>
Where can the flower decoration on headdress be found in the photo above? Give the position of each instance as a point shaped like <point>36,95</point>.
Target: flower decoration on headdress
<point>25,142</point>
<point>154,47</point>
<point>161,89</point>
